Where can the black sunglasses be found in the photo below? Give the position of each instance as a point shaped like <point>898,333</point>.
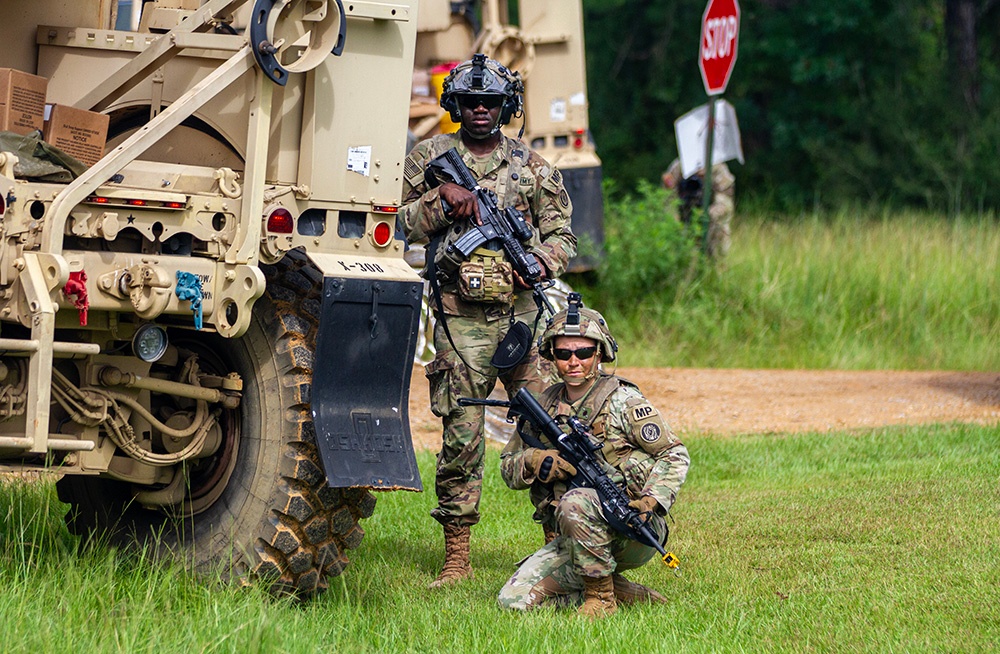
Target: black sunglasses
<point>582,353</point>
<point>473,101</point>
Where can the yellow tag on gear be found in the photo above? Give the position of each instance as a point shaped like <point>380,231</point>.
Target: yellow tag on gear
<point>671,560</point>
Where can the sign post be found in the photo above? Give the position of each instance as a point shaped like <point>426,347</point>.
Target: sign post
<point>720,30</point>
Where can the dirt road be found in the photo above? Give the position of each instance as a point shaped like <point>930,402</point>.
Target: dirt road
<point>782,401</point>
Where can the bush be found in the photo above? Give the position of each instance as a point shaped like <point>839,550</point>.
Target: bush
<point>648,252</point>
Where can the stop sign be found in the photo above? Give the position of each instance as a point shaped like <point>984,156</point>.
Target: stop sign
<point>720,29</point>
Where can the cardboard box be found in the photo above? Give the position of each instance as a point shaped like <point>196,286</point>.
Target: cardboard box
<point>22,101</point>
<point>77,132</point>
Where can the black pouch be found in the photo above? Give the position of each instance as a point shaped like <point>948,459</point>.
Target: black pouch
<point>513,348</point>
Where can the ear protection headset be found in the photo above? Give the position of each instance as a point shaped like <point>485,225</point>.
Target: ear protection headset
<point>483,76</point>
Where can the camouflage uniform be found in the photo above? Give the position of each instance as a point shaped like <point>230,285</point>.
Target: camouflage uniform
<point>720,212</point>
<point>643,455</point>
<point>528,183</point>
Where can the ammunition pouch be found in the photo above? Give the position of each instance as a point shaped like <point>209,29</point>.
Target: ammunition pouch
<point>486,277</point>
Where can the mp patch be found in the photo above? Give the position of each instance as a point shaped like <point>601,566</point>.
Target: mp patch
<point>650,432</point>
<point>642,412</point>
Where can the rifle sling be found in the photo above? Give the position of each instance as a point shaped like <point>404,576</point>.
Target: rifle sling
<point>436,292</point>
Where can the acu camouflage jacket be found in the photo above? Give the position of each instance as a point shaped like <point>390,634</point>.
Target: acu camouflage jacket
<point>518,176</point>
<point>643,454</point>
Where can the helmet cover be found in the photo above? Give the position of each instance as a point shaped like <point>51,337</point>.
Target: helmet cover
<point>575,320</point>
<point>483,76</point>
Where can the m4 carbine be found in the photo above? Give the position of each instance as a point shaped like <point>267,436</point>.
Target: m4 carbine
<point>506,226</point>
<point>576,447</point>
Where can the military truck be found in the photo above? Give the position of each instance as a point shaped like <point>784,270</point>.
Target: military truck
<point>208,333</point>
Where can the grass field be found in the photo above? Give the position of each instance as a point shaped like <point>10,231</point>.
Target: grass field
<point>851,290</point>
<point>884,540</point>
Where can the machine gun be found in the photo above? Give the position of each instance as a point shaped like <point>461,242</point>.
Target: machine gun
<point>576,447</point>
<point>506,227</point>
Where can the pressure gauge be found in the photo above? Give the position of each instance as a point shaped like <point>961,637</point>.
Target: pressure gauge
<point>149,342</point>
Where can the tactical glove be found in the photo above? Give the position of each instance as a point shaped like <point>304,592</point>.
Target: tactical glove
<point>548,466</point>
<point>645,504</point>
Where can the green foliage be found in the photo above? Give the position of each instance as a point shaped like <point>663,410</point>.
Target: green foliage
<point>838,102</point>
<point>810,542</point>
<point>855,289</point>
<point>648,252</point>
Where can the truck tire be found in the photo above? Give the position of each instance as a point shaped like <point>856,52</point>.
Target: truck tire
<point>261,509</point>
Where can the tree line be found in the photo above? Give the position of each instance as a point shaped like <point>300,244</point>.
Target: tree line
<point>853,101</point>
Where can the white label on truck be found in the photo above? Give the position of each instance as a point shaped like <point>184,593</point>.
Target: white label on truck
<point>359,159</point>
<point>557,110</point>
<point>578,99</point>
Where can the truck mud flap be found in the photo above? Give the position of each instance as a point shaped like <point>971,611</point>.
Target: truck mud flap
<point>361,382</point>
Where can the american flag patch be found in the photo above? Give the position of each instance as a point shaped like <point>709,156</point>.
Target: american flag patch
<point>411,169</point>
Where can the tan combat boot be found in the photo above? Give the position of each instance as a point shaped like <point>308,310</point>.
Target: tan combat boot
<point>598,597</point>
<point>456,557</point>
<point>628,592</point>
<point>550,534</point>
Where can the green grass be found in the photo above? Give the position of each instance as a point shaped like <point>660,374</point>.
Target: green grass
<point>843,291</point>
<point>885,540</point>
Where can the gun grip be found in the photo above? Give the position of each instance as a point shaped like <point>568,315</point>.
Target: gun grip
<point>545,469</point>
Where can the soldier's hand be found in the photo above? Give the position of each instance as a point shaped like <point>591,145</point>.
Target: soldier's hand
<point>645,504</point>
<point>519,281</point>
<point>462,201</point>
<point>548,466</point>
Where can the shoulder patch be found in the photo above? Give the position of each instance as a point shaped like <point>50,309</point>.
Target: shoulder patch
<point>650,432</point>
<point>643,412</point>
<point>564,198</point>
<point>411,170</point>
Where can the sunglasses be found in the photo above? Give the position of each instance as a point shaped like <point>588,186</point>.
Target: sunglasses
<point>582,353</point>
<point>473,101</point>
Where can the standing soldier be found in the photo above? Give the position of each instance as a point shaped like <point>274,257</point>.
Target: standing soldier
<point>481,296</point>
<point>690,192</point>
<point>638,451</point>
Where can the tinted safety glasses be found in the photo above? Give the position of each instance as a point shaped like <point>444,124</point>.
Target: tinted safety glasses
<point>583,353</point>
<point>473,101</point>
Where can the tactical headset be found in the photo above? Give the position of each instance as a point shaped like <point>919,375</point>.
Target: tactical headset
<point>482,76</point>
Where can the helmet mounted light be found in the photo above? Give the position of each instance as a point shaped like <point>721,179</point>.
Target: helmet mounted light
<point>575,301</point>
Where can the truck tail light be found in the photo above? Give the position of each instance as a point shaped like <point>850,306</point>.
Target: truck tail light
<point>3,205</point>
<point>578,139</point>
<point>382,234</point>
<point>280,221</point>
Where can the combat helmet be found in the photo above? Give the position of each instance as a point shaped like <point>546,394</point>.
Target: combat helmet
<point>483,76</point>
<point>575,320</point>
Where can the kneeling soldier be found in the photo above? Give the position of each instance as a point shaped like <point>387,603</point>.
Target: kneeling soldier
<point>641,453</point>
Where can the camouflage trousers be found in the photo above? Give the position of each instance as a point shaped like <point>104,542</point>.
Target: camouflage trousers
<point>719,226</point>
<point>587,546</point>
<point>459,476</point>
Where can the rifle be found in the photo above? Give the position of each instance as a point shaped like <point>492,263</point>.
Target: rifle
<point>507,226</point>
<point>576,447</point>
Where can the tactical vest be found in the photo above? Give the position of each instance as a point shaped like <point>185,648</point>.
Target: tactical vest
<point>488,277</point>
<point>592,412</point>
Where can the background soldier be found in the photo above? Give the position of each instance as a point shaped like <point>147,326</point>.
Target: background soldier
<point>642,455</point>
<point>481,296</point>
<point>690,192</point>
